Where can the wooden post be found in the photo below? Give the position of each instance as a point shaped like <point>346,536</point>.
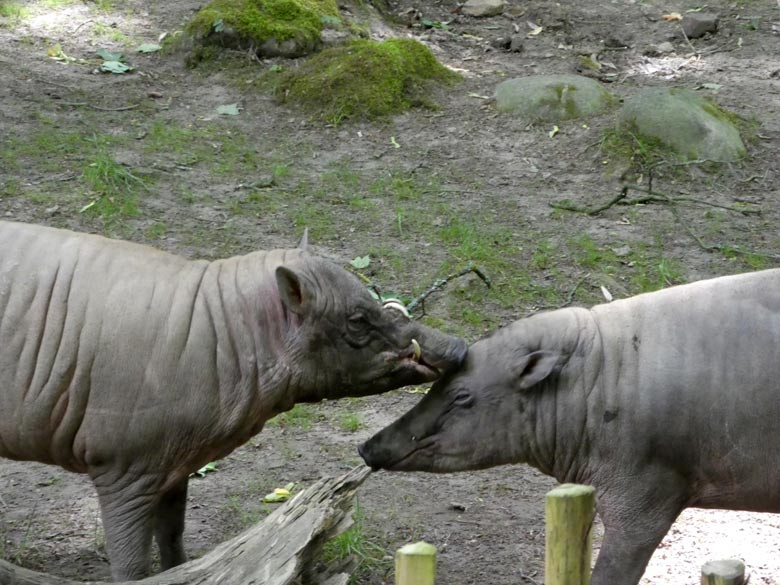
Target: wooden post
<point>415,564</point>
<point>726,572</point>
<point>569,512</point>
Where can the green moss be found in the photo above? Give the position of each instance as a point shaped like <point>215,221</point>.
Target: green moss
<point>254,22</point>
<point>364,79</point>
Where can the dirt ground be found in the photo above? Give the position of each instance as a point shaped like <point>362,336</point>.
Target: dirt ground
<point>423,193</point>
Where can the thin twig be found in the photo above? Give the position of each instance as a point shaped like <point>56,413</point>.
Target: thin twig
<point>102,109</point>
<point>721,248</point>
<point>594,211</point>
<point>55,84</point>
<point>663,198</point>
<point>82,24</point>
<point>651,197</point>
<point>569,299</point>
<point>442,282</point>
<point>529,578</point>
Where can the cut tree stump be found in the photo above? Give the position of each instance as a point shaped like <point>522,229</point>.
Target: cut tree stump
<point>283,549</point>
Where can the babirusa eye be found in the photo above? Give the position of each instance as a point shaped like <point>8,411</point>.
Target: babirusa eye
<point>463,398</point>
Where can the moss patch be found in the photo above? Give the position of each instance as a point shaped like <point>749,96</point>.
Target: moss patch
<point>286,27</point>
<point>364,79</point>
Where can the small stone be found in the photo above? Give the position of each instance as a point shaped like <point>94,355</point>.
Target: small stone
<point>501,43</point>
<point>622,251</point>
<point>615,43</point>
<point>516,46</point>
<point>483,7</point>
<point>697,24</point>
<point>660,49</point>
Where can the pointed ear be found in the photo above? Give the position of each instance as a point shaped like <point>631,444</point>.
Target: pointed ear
<point>291,289</point>
<point>536,367</point>
<point>304,243</point>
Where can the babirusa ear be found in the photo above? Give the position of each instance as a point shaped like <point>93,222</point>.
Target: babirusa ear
<point>291,289</point>
<point>304,243</point>
<point>538,365</point>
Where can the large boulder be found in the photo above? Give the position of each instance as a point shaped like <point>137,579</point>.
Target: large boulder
<point>691,125</point>
<point>552,98</point>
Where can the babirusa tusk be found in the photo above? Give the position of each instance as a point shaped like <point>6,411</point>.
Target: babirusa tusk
<point>395,304</point>
<point>417,350</point>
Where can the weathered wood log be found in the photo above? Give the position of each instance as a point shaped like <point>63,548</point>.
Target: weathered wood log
<point>285,547</point>
<point>569,513</point>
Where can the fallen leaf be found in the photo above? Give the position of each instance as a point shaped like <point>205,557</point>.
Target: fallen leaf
<point>228,110</point>
<point>208,468</point>
<point>107,55</point>
<point>606,293</point>
<point>115,67</point>
<point>279,494</point>
<point>535,29</point>
<point>149,48</point>
<point>672,17</point>
<point>394,143</point>
<point>361,262</point>
<point>710,86</point>
<point>553,132</point>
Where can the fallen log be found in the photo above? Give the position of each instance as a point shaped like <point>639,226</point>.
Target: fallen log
<point>283,549</point>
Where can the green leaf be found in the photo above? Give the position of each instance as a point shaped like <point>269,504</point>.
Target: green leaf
<point>218,25</point>
<point>361,262</point>
<point>279,494</point>
<point>149,48</point>
<point>115,67</point>
<point>228,110</point>
<point>328,19</point>
<point>208,468</point>
<point>107,55</point>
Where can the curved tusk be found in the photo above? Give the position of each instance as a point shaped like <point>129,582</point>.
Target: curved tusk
<point>397,305</point>
<point>417,350</point>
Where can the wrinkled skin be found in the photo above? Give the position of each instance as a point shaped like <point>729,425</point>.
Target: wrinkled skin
<point>662,401</point>
<point>137,367</point>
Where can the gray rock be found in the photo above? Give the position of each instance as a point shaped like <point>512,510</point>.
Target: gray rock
<point>660,49</point>
<point>552,98</point>
<point>501,43</point>
<point>516,45</point>
<point>483,7</point>
<point>332,37</point>
<point>697,24</point>
<point>694,127</point>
